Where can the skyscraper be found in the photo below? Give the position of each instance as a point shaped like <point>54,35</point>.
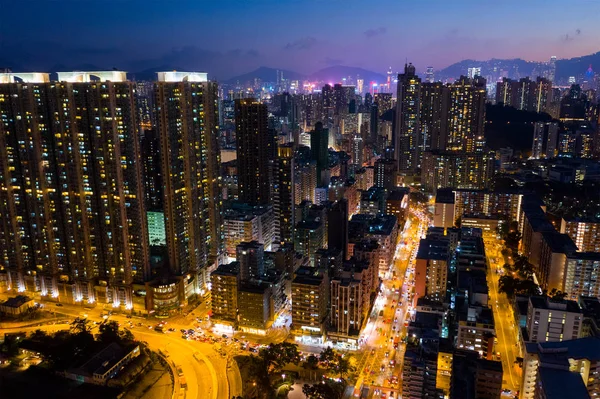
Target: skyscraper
<point>318,149</point>
<point>429,78</point>
<point>466,115</point>
<point>285,193</point>
<point>187,120</point>
<point>337,227</point>
<point>152,171</point>
<point>435,98</point>
<point>537,148</point>
<point>254,150</point>
<point>407,140</point>
<point>71,197</point>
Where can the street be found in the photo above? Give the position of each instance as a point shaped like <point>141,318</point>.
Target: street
<point>504,321</point>
<point>204,372</point>
<point>382,360</point>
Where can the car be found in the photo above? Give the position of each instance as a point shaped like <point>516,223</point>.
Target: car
<point>58,304</point>
<point>224,336</point>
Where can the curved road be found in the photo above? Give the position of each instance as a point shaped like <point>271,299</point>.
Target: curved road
<point>204,371</point>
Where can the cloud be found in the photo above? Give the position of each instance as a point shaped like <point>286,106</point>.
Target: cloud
<point>301,44</point>
<point>370,33</point>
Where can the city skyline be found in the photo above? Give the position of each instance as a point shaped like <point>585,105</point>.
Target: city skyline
<point>214,36</point>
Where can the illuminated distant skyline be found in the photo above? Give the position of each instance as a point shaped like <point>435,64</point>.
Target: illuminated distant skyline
<point>226,38</point>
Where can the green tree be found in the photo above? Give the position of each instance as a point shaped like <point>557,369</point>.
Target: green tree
<point>325,390</point>
<point>108,332</point>
<point>556,294</point>
<point>312,365</point>
<point>80,325</point>
<point>327,355</point>
<point>343,366</point>
<point>276,356</point>
<point>528,287</point>
<point>508,284</point>
<point>523,268</point>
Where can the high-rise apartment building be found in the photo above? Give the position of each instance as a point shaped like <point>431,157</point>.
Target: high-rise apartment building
<point>435,98</point>
<point>254,151</point>
<point>187,120</point>
<point>284,200</point>
<point>585,233</point>
<point>152,170</point>
<point>310,304</point>
<point>537,148</point>
<point>457,170</point>
<point>466,115</point>
<point>251,257</point>
<point>319,139</point>
<point>71,195</point>
<point>407,140</point>
<point>337,227</point>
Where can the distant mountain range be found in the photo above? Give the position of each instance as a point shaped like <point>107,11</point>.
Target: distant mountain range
<point>517,67</point>
<point>514,67</point>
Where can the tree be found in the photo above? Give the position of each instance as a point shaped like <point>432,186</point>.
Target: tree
<point>276,356</point>
<point>324,390</point>
<point>508,285</point>
<point>108,332</point>
<point>327,355</point>
<point>343,366</point>
<point>523,268</point>
<point>528,287</point>
<point>80,325</point>
<point>555,294</point>
<point>512,240</point>
<point>458,222</point>
<point>312,364</point>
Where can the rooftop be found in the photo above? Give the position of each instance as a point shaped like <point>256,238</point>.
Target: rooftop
<point>561,383</point>
<point>16,301</point>
<point>433,249</point>
<point>444,196</point>
<point>542,302</point>
<point>230,269</point>
<point>559,243</point>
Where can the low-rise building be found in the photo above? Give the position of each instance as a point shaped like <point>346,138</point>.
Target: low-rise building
<point>567,369</point>
<point>443,211</point>
<point>17,305</point>
<point>396,204</point>
<point>244,223</point>
<point>476,331</point>
<point>104,365</point>
<point>475,378</point>
<point>225,282</point>
<point>255,308</point>
<point>310,304</point>
<point>551,320</point>
<point>431,269</point>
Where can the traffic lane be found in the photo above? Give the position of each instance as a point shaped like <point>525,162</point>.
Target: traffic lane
<point>202,381</point>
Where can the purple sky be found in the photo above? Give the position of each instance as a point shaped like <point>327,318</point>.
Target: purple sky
<point>226,37</point>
